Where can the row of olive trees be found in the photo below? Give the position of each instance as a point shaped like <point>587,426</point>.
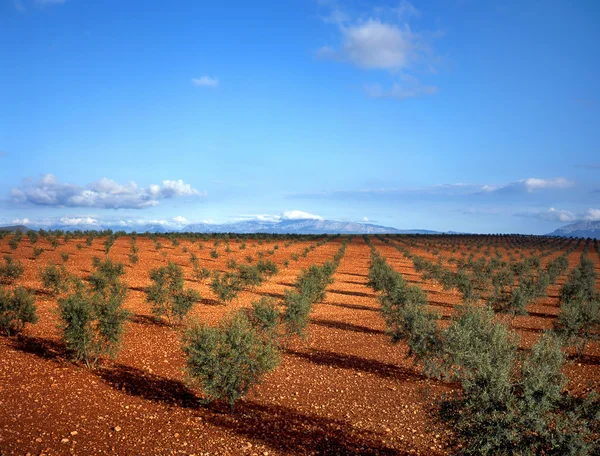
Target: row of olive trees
<point>511,402</point>
<point>227,360</point>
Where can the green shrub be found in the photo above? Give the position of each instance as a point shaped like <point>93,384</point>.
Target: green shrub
<point>64,256</point>
<point>250,276</point>
<point>108,243</point>
<point>296,313</point>
<point>581,281</point>
<point>133,258</point>
<point>313,281</point>
<point>92,324</point>
<point>13,243</point>
<point>228,360</point>
<point>11,270</point>
<point>33,237</point>
<point>264,316</point>
<point>268,268</point>
<point>226,286</point>
<point>53,242</point>
<point>37,251</point>
<point>214,254</point>
<point>167,293</point>
<point>17,307</point>
<point>106,276</point>
<point>55,278</point>
<point>579,321</point>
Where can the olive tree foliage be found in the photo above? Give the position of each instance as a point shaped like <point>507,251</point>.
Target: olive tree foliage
<point>228,360</point>
<point>92,318</point>
<point>579,319</point>
<point>510,402</point>
<point>17,307</point>
<point>167,293</point>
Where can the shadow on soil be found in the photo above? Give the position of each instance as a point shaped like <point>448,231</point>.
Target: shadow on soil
<point>136,382</point>
<point>352,293</point>
<point>278,427</point>
<point>345,326</point>
<point>353,282</point>
<point>148,320</point>
<point>270,294</point>
<point>292,432</point>
<point>42,348</point>
<point>342,361</point>
<point>351,306</point>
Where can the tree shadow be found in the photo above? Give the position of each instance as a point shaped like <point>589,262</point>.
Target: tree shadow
<point>353,282</point>
<point>589,360</point>
<point>345,326</point>
<point>291,432</point>
<point>351,306</point>
<point>152,387</point>
<point>352,362</point>
<point>140,289</point>
<point>441,304</point>
<point>270,294</point>
<point>148,320</point>
<point>352,293</point>
<point>42,348</point>
<point>355,275</point>
<point>210,302</point>
<point>541,314</point>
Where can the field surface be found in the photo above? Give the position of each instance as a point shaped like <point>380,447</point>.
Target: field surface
<point>345,389</point>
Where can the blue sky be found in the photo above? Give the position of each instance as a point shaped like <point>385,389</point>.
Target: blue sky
<point>447,115</point>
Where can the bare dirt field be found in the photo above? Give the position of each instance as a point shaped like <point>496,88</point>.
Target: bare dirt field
<point>346,389</point>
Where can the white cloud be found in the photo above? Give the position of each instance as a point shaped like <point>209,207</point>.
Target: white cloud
<point>375,45</point>
<point>179,220</point>
<point>556,215</point>
<point>382,40</point>
<point>533,183</point>
<point>592,215</point>
<point>365,219</point>
<point>23,221</point>
<point>105,193</point>
<point>78,220</point>
<point>300,215</point>
<point>206,81</point>
<point>563,216</point>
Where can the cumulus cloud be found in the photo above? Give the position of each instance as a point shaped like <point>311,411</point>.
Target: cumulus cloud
<point>206,81</point>
<point>592,215</point>
<point>382,40</point>
<point>300,215</point>
<point>365,219</point>
<point>287,215</point>
<point>105,193</point>
<point>564,216</point>
<point>78,221</point>
<point>448,191</point>
<point>23,221</point>
<point>180,220</point>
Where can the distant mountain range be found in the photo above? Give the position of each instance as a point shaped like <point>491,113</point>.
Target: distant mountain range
<point>304,226</point>
<point>13,228</point>
<point>584,229</point>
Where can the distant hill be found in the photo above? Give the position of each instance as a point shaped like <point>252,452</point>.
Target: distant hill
<point>304,226</point>
<point>14,228</point>
<point>584,229</point>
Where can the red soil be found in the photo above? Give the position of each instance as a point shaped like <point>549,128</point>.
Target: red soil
<point>346,389</point>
